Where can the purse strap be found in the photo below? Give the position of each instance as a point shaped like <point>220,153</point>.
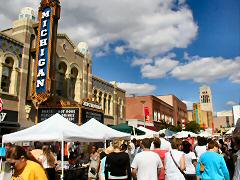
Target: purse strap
<point>177,165</point>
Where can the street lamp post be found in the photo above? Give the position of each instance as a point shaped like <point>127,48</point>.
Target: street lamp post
<point>144,119</point>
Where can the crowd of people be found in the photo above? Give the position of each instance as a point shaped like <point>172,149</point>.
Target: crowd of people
<point>147,159</point>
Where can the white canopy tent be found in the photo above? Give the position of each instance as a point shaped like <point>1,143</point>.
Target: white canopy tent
<point>230,131</point>
<point>55,128</point>
<point>184,134</point>
<point>149,133</point>
<point>102,131</point>
<point>205,134</point>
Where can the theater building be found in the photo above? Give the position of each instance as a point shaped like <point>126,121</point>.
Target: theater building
<point>79,95</point>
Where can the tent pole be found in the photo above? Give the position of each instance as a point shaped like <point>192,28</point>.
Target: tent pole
<point>62,158</point>
<point>105,144</point>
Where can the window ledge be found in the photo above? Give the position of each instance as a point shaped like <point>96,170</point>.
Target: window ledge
<point>8,96</point>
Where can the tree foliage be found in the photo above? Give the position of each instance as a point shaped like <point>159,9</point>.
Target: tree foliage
<point>193,127</point>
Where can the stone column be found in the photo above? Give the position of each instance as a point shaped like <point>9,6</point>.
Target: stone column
<point>106,107</point>
<point>84,81</point>
<point>14,81</point>
<point>78,89</point>
<point>102,103</point>
<point>66,86</point>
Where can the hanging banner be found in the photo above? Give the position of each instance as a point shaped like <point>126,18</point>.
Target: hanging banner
<point>147,114</point>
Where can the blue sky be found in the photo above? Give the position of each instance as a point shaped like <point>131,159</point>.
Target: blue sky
<point>156,47</point>
<point>218,35</point>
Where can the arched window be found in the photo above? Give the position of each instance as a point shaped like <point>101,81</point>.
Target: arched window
<point>95,95</point>
<point>61,71</point>
<point>6,74</point>
<point>73,79</point>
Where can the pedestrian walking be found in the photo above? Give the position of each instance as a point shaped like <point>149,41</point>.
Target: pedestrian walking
<point>146,165</point>
<point>117,165</point>
<point>211,165</point>
<point>175,162</point>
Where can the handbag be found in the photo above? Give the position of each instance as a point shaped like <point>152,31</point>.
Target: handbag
<point>186,176</point>
<point>93,170</point>
<point>202,167</point>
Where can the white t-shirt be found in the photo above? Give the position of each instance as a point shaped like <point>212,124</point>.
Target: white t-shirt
<point>165,145</point>
<point>190,169</point>
<point>200,150</point>
<point>237,167</point>
<point>171,170</point>
<point>147,163</point>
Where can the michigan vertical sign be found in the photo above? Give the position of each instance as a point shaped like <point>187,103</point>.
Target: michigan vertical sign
<point>42,69</point>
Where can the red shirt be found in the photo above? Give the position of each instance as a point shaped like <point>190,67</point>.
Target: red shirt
<point>161,154</point>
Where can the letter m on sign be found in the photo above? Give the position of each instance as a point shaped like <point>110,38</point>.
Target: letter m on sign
<point>45,14</point>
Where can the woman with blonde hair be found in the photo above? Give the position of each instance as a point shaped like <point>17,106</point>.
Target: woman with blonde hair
<point>48,162</point>
<point>117,164</point>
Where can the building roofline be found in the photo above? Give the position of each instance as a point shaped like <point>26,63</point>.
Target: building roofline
<point>11,39</point>
<point>153,97</point>
<point>108,83</point>
<point>6,30</point>
<point>71,42</point>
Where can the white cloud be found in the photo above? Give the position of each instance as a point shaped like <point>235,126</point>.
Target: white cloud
<point>189,104</point>
<point>100,54</point>
<point>208,69</point>
<point>119,50</point>
<point>231,103</point>
<point>137,89</point>
<point>138,62</point>
<point>159,69</point>
<point>149,28</point>
<point>156,68</point>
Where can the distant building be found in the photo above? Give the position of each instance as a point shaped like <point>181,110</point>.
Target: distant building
<point>190,115</point>
<point>223,120</point>
<point>203,118</point>
<point>206,98</point>
<point>224,113</point>
<point>236,113</point>
<point>158,110</point>
<point>179,107</point>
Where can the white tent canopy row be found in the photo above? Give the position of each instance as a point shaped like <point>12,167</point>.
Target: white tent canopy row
<point>58,128</point>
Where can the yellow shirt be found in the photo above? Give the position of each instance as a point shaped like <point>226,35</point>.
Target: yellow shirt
<point>32,171</point>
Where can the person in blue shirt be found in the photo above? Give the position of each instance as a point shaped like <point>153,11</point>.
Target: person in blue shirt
<point>214,165</point>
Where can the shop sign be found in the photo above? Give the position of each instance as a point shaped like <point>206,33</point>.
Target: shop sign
<point>8,116</point>
<point>89,114</point>
<point>2,116</point>
<point>72,114</point>
<point>92,105</point>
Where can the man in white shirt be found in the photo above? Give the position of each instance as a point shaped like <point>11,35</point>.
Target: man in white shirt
<point>147,164</point>
<point>165,145</point>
